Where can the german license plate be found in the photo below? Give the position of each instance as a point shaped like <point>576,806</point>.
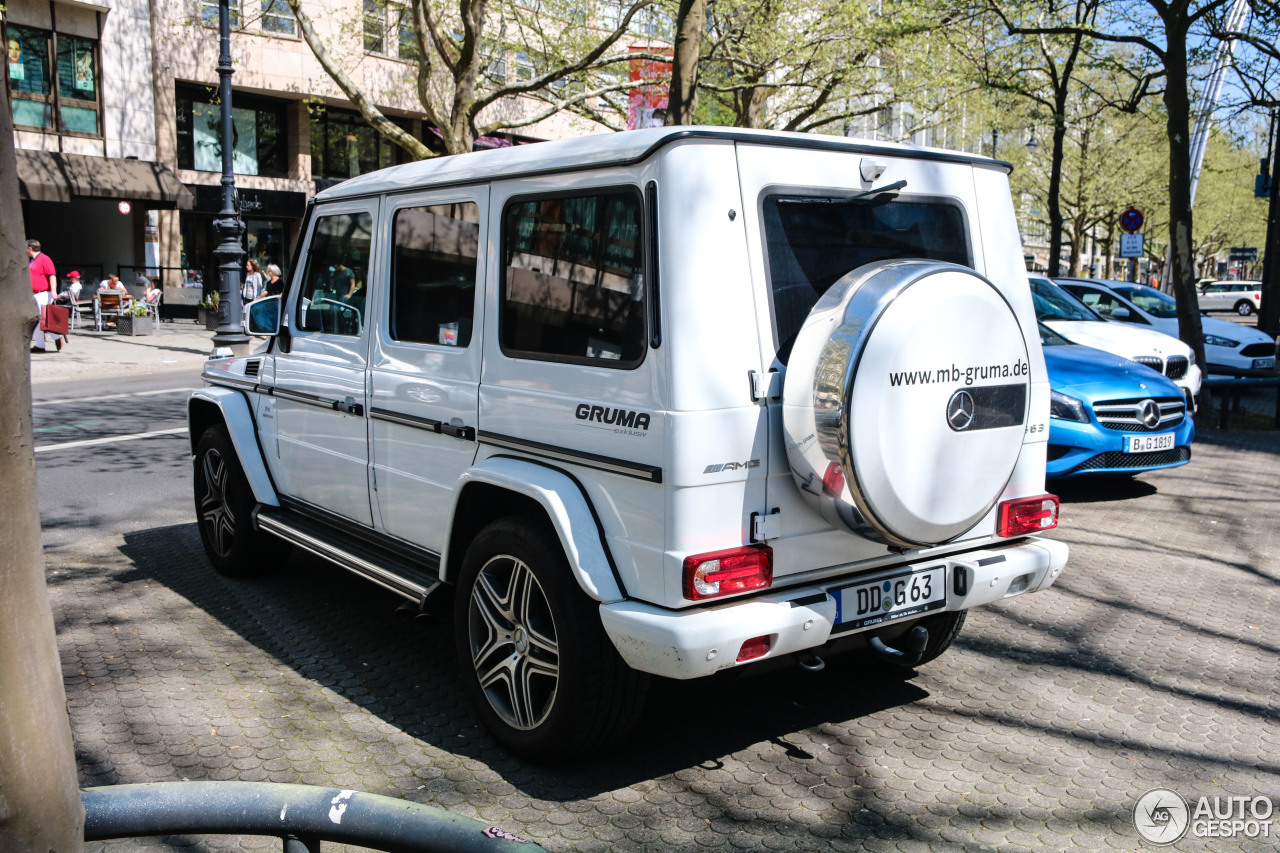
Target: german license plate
<point>1267,363</point>
<point>890,599</point>
<point>1148,443</point>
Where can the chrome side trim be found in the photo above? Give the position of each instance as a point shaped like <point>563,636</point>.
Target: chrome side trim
<point>651,473</point>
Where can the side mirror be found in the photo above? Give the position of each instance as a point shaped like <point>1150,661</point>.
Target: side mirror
<point>1120,314</point>
<point>264,317</point>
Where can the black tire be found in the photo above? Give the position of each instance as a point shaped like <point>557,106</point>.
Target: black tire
<point>943,629</point>
<point>520,617</point>
<point>224,511</point>
<point>1244,308</point>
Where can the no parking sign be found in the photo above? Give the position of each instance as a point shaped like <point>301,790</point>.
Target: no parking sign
<point>1131,220</point>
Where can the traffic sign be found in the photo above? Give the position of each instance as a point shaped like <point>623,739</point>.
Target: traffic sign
<point>1130,245</point>
<point>1131,220</point>
<point>1248,254</point>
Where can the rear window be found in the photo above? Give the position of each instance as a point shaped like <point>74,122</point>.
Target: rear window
<point>812,241</point>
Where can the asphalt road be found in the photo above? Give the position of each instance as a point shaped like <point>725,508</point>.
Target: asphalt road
<point>112,457</point>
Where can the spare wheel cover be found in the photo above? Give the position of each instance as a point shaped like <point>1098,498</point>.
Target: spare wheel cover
<point>913,378</point>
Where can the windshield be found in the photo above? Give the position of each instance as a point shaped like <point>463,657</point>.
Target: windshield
<point>1050,338</point>
<point>1149,299</point>
<point>1054,303</point>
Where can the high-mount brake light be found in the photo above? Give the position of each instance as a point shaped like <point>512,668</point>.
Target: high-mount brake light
<point>725,572</point>
<point>755,647</point>
<point>1028,515</point>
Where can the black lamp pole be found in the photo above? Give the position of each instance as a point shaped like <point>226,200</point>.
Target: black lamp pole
<point>229,333</point>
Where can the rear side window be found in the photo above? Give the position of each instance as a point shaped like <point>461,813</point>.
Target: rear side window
<point>573,279</point>
<point>433,273</point>
<point>337,270</point>
<point>812,241</point>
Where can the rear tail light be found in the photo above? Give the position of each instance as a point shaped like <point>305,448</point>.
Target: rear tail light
<point>1028,515</point>
<point>755,647</point>
<point>726,572</point>
<point>833,480</point>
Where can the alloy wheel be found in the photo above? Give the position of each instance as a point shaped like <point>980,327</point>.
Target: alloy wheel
<point>514,647</point>
<point>215,511</point>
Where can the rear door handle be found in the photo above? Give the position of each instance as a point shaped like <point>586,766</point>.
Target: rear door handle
<point>464,432</point>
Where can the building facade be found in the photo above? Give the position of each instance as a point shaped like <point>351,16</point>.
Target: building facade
<point>80,87</point>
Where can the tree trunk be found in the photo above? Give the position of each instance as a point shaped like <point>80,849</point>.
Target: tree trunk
<point>1055,194</point>
<point>1177,102</point>
<point>40,806</point>
<point>691,23</point>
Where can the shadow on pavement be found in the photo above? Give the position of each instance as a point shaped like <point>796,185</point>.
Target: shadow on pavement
<point>333,628</point>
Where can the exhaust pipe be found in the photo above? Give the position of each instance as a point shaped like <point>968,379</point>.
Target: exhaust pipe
<point>915,642</point>
<point>810,662</point>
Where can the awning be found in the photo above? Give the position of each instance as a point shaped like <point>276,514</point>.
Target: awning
<point>49,176</point>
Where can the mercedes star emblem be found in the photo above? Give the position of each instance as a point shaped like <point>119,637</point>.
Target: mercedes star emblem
<point>960,411</point>
<point>1150,414</point>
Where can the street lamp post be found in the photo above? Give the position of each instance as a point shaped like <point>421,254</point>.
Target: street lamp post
<point>229,333</point>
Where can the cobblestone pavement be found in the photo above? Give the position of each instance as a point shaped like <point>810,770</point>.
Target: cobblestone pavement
<point>1152,663</point>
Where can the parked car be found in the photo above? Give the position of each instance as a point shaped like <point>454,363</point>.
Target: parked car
<point>1080,324</point>
<point>1229,348</point>
<point>1242,297</point>
<point>635,428</point>
<point>1110,415</point>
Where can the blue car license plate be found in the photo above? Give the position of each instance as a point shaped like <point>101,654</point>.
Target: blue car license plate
<point>890,599</point>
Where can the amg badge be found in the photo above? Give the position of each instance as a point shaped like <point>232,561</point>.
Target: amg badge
<point>731,466</point>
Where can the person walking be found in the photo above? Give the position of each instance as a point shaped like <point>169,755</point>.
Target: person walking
<point>252,281</point>
<point>275,284</point>
<point>44,284</point>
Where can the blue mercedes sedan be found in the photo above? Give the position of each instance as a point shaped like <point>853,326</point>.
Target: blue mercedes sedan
<point>1109,415</point>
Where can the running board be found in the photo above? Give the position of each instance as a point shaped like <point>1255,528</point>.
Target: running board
<point>371,563</point>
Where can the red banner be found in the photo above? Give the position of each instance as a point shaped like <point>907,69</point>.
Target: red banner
<point>647,106</point>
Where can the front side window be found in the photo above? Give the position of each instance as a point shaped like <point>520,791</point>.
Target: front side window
<point>61,95</point>
<point>573,279</point>
<point>433,274</point>
<point>812,241</point>
<point>332,299</point>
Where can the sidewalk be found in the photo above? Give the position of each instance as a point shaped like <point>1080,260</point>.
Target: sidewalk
<point>176,345</point>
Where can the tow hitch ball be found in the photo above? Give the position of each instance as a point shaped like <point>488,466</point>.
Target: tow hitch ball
<point>913,644</point>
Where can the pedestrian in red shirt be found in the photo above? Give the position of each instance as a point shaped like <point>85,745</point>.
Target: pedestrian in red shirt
<point>44,285</point>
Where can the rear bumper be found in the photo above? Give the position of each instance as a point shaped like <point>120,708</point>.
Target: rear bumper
<point>693,643</point>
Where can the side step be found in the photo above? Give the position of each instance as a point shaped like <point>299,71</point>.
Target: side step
<point>388,570</point>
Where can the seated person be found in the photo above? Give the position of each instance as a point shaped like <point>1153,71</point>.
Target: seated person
<point>114,285</point>
<point>152,296</point>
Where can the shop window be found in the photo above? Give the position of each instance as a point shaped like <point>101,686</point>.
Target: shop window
<point>343,146</point>
<point>573,283</point>
<point>259,133</point>
<point>70,106</point>
<point>433,274</point>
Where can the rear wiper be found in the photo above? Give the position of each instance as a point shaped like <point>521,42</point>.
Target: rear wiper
<point>888,188</point>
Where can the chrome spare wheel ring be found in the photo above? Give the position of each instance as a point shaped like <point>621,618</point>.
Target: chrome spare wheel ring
<point>215,512</point>
<point>514,647</point>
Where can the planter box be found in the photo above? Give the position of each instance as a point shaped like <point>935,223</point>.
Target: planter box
<point>209,317</point>
<point>130,325</point>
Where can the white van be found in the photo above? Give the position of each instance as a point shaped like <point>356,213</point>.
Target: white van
<point>666,402</point>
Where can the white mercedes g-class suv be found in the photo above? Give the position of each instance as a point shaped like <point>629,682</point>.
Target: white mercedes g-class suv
<point>665,402</point>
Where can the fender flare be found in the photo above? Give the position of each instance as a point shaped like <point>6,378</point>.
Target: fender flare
<point>239,422</point>
<point>569,511</point>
